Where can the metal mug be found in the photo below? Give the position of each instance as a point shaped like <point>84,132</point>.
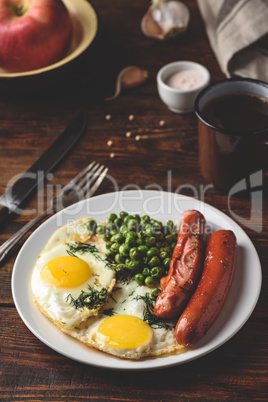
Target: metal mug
<point>226,157</point>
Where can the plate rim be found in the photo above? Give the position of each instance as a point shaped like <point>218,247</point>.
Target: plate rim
<point>126,365</point>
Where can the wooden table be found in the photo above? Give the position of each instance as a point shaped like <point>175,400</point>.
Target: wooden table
<point>31,371</point>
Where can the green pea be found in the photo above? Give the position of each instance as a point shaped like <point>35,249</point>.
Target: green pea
<point>111,226</point>
<point>113,232</point>
<point>127,218</point>
<point>101,229</point>
<point>163,255</point>
<point>124,249</point>
<point>132,225</point>
<point>132,234</point>
<point>112,217</point>
<point>146,271</point>
<point>158,245</point>
<point>110,254</point>
<point>166,262</point>
<point>170,224</point>
<point>139,242</point>
<point>127,261</point>
<point>143,249</point>
<point>123,214</point>
<point>119,258</point>
<point>130,241</point>
<point>169,239</point>
<point>173,245</point>
<point>175,234</point>
<point>137,217</point>
<point>106,236</point>
<point>152,252</point>
<point>91,225</point>
<point>134,253</point>
<point>150,281</point>
<point>139,278</point>
<point>149,231</point>
<point>118,237</point>
<point>150,242</point>
<point>155,292</point>
<point>157,272</point>
<point>159,236</point>
<point>145,219</point>
<point>108,245</point>
<point>115,247</point>
<point>157,225</point>
<point>167,250</point>
<point>118,222</point>
<point>134,265</point>
<point>123,230</point>
<point>154,262</point>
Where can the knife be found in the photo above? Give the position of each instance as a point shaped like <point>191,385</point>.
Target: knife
<point>27,183</point>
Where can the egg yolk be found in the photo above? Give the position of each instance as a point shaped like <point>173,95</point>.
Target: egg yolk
<point>125,332</point>
<point>66,272</point>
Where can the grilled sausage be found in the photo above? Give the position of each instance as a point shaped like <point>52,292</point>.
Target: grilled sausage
<point>212,290</point>
<point>185,266</point>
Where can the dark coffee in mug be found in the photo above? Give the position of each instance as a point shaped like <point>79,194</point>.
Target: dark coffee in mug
<point>232,130</point>
<point>238,113</point>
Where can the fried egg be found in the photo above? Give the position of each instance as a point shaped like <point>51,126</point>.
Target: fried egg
<point>125,333</point>
<point>68,269</point>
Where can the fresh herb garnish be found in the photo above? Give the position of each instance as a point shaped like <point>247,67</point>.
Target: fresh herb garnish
<point>91,299</point>
<point>123,274</point>
<point>149,317</point>
<point>109,312</point>
<point>82,248</point>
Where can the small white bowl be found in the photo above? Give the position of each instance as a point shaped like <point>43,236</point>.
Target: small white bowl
<point>180,100</point>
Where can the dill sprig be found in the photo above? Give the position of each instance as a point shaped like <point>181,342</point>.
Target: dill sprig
<point>109,312</point>
<point>82,248</point>
<point>148,315</point>
<point>123,274</point>
<point>91,299</point>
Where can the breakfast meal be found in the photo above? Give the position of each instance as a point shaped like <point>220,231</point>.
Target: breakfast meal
<point>131,286</point>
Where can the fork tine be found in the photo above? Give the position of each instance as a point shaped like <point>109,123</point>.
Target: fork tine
<point>90,179</point>
<point>89,191</point>
<point>76,179</point>
<point>89,173</point>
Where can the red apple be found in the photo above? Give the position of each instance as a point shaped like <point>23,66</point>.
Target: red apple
<point>33,33</point>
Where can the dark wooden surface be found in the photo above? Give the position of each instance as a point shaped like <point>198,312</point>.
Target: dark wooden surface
<point>30,122</point>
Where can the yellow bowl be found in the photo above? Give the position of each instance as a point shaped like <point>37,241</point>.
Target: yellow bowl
<point>85,26</point>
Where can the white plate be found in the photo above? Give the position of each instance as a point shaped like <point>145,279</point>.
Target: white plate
<point>241,301</point>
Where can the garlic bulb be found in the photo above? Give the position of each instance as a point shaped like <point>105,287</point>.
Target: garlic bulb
<point>165,19</point>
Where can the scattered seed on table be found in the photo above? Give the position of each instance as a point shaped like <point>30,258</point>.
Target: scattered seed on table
<point>108,117</point>
<point>112,155</point>
<point>131,117</point>
<point>162,122</point>
<point>138,137</point>
<point>110,143</point>
<point>128,134</point>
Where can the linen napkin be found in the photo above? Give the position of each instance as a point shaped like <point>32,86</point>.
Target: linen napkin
<point>238,34</point>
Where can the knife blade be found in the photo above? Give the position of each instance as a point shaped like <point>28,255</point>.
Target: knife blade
<point>11,200</point>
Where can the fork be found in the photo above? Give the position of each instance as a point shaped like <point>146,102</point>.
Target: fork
<point>84,185</point>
